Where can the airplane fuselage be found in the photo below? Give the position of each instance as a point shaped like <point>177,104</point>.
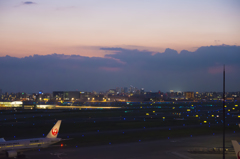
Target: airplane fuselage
<point>27,143</point>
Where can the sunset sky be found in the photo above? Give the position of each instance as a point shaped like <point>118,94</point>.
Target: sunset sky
<point>97,45</point>
<point>83,26</point>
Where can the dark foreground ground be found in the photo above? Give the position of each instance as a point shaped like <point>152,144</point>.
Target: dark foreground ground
<point>176,148</point>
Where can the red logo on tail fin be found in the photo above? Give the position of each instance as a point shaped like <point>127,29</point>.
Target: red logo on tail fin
<point>54,131</point>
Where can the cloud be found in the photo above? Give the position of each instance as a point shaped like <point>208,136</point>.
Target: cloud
<point>203,58</point>
<point>200,70</point>
<point>28,3</point>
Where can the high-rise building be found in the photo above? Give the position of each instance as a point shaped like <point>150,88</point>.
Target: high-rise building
<point>122,90</point>
<point>142,91</point>
<point>125,90</point>
<point>131,89</point>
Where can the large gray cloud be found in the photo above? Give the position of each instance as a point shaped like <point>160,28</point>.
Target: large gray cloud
<point>200,70</point>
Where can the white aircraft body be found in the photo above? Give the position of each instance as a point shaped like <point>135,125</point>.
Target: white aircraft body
<point>14,147</point>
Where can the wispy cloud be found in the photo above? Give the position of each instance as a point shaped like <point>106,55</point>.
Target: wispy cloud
<point>28,3</point>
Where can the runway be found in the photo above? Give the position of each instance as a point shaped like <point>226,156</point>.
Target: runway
<point>175,148</point>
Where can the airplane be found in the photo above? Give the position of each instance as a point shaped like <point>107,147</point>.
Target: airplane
<point>236,147</point>
<point>14,148</point>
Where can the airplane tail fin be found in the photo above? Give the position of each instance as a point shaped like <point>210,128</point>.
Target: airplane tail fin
<point>236,147</point>
<point>54,131</point>
<point>2,140</point>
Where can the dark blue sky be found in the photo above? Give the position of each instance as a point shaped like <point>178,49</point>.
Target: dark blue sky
<point>188,71</point>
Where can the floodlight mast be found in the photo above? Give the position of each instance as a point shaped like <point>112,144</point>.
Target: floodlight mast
<point>223,111</point>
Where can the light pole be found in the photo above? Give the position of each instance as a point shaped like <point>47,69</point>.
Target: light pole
<point>223,111</point>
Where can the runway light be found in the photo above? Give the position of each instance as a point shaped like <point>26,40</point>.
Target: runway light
<point>238,116</point>
<point>212,115</point>
<point>188,110</point>
<point>163,117</point>
<point>205,121</point>
<point>225,106</point>
<point>229,110</point>
<point>233,108</point>
<point>147,113</point>
<point>217,116</point>
<point>109,143</point>
<point>154,111</point>
<point>236,105</point>
<point>139,140</point>
<point>173,107</point>
<point>196,115</point>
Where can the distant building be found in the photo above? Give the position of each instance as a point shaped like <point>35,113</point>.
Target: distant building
<point>122,90</point>
<point>112,91</point>
<point>0,91</point>
<point>142,91</point>
<point>125,90</point>
<point>66,95</point>
<point>189,95</point>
